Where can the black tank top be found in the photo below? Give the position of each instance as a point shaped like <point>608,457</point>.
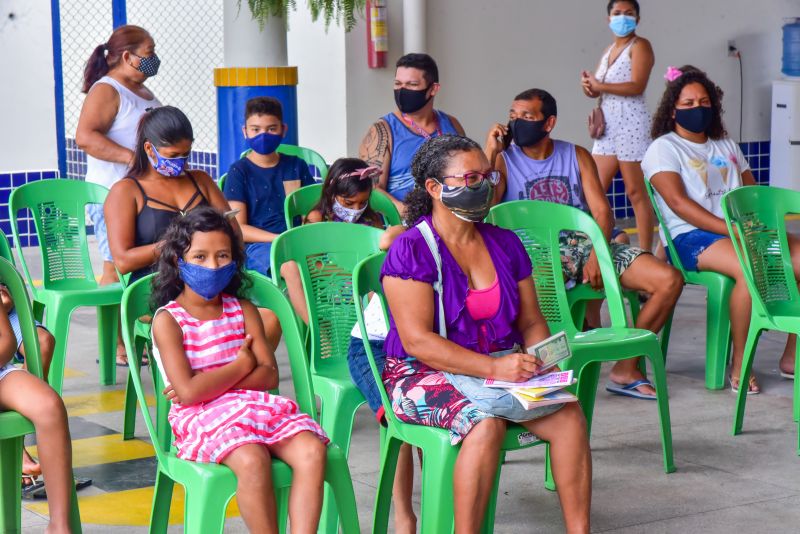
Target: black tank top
<point>151,223</point>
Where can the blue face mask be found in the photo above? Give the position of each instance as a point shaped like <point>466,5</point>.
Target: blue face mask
<point>264,143</point>
<point>168,166</point>
<point>208,283</point>
<point>622,25</point>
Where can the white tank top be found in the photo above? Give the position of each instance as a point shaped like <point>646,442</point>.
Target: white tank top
<point>122,132</point>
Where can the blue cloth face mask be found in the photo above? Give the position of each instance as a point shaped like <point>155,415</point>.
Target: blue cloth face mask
<point>622,25</point>
<point>264,143</point>
<point>208,283</point>
<point>168,166</point>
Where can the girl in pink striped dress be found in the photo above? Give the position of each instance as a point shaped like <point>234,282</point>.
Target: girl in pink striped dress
<point>213,353</point>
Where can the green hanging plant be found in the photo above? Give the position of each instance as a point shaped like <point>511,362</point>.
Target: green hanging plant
<point>341,11</point>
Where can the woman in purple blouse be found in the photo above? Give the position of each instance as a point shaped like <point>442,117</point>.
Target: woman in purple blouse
<point>489,305</point>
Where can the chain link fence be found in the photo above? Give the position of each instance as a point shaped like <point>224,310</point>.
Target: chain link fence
<point>189,41</point>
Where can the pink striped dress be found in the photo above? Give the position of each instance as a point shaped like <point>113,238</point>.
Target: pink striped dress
<point>209,431</point>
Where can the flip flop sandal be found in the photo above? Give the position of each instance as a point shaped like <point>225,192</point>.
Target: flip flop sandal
<point>629,390</point>
<point>29,491</point>
<point>786,375</point>
<point>750,382</point>
<point>80,483</point>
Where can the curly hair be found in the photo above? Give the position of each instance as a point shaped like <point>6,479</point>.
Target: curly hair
<point>430,161</point>
<point>664,122</point>
<point>335,186</point>
<point>167,284</point>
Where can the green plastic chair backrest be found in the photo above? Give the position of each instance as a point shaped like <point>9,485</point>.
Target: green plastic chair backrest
<point>300,202</point>
<point>263,293</point>
<point>221,181</point>
<point>326,254</point>
<point>758,214</point>
<point>674,259</point>
<point>538,224</point>
<point>22,305</point>
<point>5,249</point>
<point>58,208</point>
<point>316,163</point>
<point>367,280</point>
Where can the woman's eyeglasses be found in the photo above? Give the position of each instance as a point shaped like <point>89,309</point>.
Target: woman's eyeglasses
<point>471,179</point>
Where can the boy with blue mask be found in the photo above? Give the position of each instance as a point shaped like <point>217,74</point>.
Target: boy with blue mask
<point>258,184</point>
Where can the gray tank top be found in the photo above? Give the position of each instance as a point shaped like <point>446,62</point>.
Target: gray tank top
<point>554,179</point>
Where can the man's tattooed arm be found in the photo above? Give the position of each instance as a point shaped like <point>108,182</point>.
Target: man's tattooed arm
<point>375,149</point>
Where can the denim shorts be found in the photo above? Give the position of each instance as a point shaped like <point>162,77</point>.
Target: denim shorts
<point>95,212</point>
<point>362,374</point>
<point>258,257</point>
<point>691,244</point>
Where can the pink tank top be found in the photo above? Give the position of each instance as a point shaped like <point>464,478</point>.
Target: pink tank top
<point>482,304</point>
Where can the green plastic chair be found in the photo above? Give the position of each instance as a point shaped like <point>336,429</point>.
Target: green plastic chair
<point>326,254</point>
<point>210,487</point>
<point>13,426</point>
<point>316,163</point>
<point>58,210</point>
<point>718,323</point>
<point>538,225</point>
<point>303,200</point>
<point>439,456</point>
<point>5,250</point>
<point>757,214</point>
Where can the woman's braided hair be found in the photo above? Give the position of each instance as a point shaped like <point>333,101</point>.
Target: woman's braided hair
<point>430,161</point>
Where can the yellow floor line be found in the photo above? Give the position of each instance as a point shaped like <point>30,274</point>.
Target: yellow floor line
<point>127,508</point>
<point>106,450</point>
<point>99,402</point>
<point>72,373</point>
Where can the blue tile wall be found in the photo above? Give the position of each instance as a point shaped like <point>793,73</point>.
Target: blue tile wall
<point>756,152</point>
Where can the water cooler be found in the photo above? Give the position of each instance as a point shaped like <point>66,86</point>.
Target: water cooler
<point>785,135</point>
<point>785,129</point>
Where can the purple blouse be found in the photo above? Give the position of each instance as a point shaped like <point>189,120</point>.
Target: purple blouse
<point>410,258</point>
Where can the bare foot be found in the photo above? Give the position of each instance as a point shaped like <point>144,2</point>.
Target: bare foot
<point>405,525</point>
<point>29,465</point>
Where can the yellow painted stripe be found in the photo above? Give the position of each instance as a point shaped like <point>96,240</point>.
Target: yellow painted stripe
<point>127,508</point>
<point>106,450</point>
<point>99,402</point>
<point>254,76</point>
<point>72,373</point>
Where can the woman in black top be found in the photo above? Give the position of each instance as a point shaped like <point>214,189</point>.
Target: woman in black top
<point>157,189</point>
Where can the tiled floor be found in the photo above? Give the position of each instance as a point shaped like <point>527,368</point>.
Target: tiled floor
<point>747,483</point>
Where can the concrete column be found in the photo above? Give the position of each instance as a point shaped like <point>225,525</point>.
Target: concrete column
<point>414,26</point>
<point>245,45</point>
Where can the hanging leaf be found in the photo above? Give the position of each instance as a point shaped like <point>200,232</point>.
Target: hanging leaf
<point>341,11</point>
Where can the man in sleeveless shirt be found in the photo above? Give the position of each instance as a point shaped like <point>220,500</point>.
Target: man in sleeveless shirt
<point>534,166</point>
<point>393,140</point>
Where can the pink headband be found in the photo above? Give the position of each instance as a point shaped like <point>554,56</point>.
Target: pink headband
<point>672,74</point>
<point>362,174</point>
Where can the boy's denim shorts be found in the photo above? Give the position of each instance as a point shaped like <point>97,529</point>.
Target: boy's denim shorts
<point>362,374</point>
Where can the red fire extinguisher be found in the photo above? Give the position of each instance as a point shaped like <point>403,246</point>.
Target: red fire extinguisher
<point>377,33</point>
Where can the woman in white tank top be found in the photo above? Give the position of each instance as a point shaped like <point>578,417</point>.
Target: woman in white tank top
<point>620,81</point>
<point>116,98</point>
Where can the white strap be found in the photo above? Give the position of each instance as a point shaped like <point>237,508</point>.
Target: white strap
<point>427,233</point>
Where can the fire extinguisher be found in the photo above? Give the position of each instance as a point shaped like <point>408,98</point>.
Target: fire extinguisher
<point>377,33</point>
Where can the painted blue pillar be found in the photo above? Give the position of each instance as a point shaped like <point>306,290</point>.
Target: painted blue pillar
<point>235,86</point>
<point>119,13</point>
<point>58,75</point>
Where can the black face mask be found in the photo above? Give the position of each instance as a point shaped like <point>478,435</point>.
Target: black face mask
<point>696,120</point>
<point>527,133</point>
<point>411,100</point>
<point>467,203</point>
